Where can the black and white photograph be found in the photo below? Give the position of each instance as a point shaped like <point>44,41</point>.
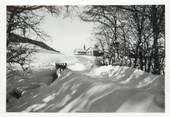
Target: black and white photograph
<point>85,58</point>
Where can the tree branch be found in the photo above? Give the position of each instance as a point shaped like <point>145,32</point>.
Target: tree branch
<point>20,39</point>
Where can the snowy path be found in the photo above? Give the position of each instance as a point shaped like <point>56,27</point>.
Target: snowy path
<point>103,89</point>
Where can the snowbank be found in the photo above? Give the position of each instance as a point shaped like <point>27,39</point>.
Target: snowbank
<point>93,89</point>
<point>123,74</point>
<point>81,63</point>
<point>77,67</point>
<point>111,71</point>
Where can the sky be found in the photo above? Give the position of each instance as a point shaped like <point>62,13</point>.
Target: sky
<point>67,33</point>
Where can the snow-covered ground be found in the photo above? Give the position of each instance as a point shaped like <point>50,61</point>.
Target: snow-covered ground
<point>85,87</point>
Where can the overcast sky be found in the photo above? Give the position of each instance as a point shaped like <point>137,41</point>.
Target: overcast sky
<point>66,33</point>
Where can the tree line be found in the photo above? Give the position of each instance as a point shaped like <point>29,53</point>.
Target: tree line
<point>130,35</point>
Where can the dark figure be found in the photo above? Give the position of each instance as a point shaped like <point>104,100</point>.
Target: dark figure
<point>61,66</point>
<point>15,93</point>
<point>64,66</point>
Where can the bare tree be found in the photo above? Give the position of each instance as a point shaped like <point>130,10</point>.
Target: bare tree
<point>23,32</point>
<point>134,33</point>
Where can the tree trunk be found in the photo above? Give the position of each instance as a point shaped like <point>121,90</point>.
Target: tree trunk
<point>155,27</point>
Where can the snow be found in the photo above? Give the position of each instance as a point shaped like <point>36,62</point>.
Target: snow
<point>117,71</point>
<point>138,103</point>
<point>77,67</point>
<point>35,107</point>
<point>48,98</point>
<point>20,80</point>
<point>124,75</point>
<point>85,87</point>
<point>97,88</point>
<point>46,60</point>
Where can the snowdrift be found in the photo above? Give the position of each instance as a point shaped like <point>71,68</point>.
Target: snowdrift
<point>124,75</point>
<point>81,63</point>
<point>85,87</point>
<point>146,91</point>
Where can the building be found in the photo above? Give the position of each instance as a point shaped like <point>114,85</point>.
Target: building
<point>94,52</point>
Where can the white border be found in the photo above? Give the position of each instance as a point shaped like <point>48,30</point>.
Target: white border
<point>84,2</point>
<point>3,4</point>
<point>2,56</point>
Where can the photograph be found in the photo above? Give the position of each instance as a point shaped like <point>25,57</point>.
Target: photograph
<point>85,58</point>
